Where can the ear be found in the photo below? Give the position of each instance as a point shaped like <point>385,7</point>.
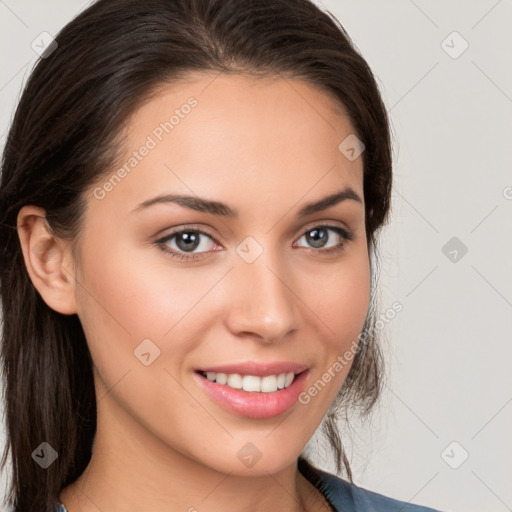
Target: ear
<point>48,260</point>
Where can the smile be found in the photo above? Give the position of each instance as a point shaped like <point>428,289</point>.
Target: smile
<point>240,395</point>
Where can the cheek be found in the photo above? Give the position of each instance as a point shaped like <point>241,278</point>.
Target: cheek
<point>340,304</point>
<point>341,300</point>
<point>117,308</point>
<point>129,291</point>
<point>127,297</point>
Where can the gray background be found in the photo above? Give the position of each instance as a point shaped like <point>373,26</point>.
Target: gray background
<point>448,392</point>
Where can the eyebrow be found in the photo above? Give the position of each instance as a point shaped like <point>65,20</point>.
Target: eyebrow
<point>218,208</point>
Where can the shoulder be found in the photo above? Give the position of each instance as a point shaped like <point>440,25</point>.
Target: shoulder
<point>349,497</point>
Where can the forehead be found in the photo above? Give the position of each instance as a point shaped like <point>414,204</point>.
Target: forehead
<point>237,138</point>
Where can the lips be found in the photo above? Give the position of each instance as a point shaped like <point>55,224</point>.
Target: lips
<point>254,405</point>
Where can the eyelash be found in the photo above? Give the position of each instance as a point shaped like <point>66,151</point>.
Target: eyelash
<point>346,235</point>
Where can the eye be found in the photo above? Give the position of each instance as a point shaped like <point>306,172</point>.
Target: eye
<point>186,241</point>
<point>318,237</point>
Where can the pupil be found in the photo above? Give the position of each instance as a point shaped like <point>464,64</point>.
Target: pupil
<point>318,238</point>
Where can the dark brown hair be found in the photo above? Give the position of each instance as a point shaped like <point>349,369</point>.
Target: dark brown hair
<point>64,136</point>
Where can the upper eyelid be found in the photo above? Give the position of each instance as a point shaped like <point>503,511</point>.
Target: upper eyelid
<point>187,228</point>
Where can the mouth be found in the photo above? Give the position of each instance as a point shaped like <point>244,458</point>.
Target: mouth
<point>253,396</point>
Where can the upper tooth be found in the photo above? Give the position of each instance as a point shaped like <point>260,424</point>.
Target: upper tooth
<point>235,381</point>
<point>267,384</point>
<point>221,378</point>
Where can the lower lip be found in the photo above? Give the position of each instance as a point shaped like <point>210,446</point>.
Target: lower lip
<point>254,404</point>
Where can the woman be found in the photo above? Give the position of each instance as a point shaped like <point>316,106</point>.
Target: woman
<point>191,196</point>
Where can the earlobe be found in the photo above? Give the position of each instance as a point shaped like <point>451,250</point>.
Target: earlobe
<point>48,260</point>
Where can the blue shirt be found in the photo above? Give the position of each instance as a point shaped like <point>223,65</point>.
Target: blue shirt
<point>344,496</point>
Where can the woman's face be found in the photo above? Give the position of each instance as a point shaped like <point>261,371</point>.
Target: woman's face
<point>164,289</point>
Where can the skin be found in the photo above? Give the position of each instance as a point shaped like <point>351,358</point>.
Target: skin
<point>265,147</point>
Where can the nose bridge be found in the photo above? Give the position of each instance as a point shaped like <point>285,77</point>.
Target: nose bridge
<point>262,302</point>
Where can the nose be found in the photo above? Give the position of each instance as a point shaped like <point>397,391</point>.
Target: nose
<point>261,301</point>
